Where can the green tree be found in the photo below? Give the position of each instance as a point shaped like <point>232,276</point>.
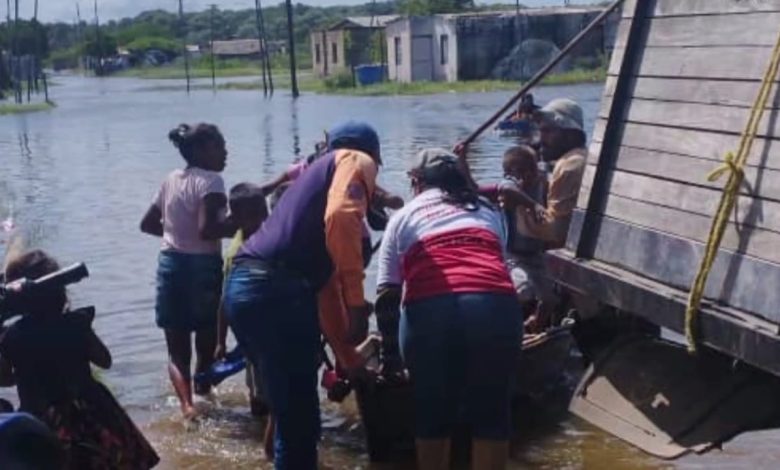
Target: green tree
<point>100,44</point>
<point>25,37</point>
<point>432,7</point>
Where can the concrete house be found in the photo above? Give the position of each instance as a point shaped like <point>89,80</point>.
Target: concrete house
<point>422,49</point>
<point>347,43</point>
<point>505,45</point>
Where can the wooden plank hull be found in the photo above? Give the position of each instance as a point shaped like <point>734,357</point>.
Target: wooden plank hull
<point>682,82</point>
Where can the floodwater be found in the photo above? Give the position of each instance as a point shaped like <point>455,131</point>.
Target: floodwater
<point>78,179</point>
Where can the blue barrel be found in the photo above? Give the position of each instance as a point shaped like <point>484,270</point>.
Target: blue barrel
<point>369,74</point>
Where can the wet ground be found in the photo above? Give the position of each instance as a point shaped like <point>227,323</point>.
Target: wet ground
<point>78,179</point>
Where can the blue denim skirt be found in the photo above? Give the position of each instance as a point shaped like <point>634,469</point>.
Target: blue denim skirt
<point>461,351</point>
<point>189,289</point>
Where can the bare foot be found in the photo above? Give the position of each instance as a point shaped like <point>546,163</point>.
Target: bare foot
<point>190,413</point>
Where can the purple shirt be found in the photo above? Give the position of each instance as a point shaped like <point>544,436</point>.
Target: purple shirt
<point>294,233</point>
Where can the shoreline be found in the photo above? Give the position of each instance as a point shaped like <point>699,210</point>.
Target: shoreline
<point>308,83</point>
<point>8,109</point>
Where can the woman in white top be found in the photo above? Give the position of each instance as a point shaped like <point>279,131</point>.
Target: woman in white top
<point>442,258</point>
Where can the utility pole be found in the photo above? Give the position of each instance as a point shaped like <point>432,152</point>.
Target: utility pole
<point>263,50</point>
<point>98,45</point>
<point>291,45</point>
<point>186,52</point>
<point>324,52</point>
<point>211,34</point>
<point>38,54</point>
<point>79,35</point>
<point>16,28</point>
<point>14,50</point>
<point>266,58</point>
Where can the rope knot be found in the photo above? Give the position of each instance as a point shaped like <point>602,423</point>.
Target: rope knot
<point>729,165</point>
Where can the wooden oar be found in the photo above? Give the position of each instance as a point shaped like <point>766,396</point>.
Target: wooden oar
<point>542,73</point>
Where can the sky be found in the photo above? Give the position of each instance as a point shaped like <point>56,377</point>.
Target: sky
<point>65,10</point>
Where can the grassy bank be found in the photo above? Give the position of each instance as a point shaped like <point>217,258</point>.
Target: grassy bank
<point>340,86</point>
<point>13,108</point>
<point>171,72</point>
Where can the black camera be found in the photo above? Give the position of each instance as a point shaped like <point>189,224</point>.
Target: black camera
<point>13,292</point>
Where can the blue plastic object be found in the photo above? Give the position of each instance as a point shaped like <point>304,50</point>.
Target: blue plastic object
<point>233,363</point>
<point>370,74</point>
<point>518,126</point>
<point>27,443</point>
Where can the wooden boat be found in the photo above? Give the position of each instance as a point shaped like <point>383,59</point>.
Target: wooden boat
<point>386,408</point>
<point>514,128</point>
<point>680,91</point>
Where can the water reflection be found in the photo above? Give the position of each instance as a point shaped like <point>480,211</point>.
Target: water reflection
<point>295,128</point>
<point>269,163</point>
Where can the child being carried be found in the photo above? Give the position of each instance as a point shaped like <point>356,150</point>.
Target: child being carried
<point>525,258</point>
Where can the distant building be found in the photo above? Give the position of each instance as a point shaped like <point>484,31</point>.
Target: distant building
<point>350,42</point>
<point>193,50</point>
<point>476,46</point>
<point>422,49</point>
<point>237,48</point>
<point>245,48</point>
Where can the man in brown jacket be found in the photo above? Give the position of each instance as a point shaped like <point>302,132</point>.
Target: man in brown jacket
<point>563,142</point>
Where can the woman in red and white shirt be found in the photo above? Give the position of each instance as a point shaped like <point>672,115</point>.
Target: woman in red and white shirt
<point>461,323</point>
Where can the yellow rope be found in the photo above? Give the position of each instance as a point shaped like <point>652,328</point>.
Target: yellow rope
<point>733,165</point>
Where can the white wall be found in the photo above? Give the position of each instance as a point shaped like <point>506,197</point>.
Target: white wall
<point>399,29</point>
<point>433,26</point>
<point>326,53</point>
<point>445,72</point>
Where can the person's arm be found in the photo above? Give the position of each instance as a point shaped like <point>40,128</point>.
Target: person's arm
<point>352,185</point>
<point>7,377</point>
<point>489,191</point>
<point>552,220</point>
<point>388,297</point>
<point>387,199</point>
<point>388,276</point>
<point>97,351</point>
<point>152,224</point>
<point>222,323</point>
<point>270,187</point>
<point>212,225</point>
<point>512,197</point>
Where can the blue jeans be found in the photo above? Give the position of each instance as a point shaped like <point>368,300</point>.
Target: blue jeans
<point>461,351</point>
<point>273,315</point>
<point>189,287</point>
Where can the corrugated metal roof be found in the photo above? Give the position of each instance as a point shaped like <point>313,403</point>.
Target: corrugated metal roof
<point>571,10</point>
<point>378,21</point>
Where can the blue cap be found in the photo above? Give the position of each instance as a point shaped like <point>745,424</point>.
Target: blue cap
<point>355,135</point>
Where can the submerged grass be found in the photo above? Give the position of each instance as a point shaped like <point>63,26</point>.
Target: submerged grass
<point>340,87</point>
<point>170,72</point>
<point>13,108</point>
